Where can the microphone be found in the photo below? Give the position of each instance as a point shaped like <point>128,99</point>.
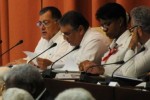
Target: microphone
<point>119,62</point>
<point>141,50</point>
<point>1,41</point>
<point>20,42</point>
<point>53,45</point>
<point>48,73</point>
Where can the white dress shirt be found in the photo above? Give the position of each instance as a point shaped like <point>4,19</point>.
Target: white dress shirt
<point>139,65</point>
<point>121,44</point>
<point>92,47</point>
<point>56,52</point>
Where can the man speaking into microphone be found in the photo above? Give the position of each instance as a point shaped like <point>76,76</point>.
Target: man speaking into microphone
<point>50,34</point>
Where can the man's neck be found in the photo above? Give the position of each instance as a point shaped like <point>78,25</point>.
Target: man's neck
<point>54,34</point>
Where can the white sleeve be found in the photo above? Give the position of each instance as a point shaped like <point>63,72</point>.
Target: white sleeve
<point>138,65</point>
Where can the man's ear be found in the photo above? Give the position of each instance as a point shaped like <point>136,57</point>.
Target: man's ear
<point>81,30</point>
<point>120,21</point>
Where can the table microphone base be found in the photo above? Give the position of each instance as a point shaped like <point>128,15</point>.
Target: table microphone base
<point>48,74</point>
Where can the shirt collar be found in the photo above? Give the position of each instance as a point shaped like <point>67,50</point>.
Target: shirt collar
<point>53,39</point>
<point>120,40</point>
<point>85,36</point>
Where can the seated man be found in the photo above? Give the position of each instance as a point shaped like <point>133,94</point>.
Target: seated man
<point>140,64</point>
<point>112,17</point>
<point>27,77</point>
<point>78,33</point>
<point>49,27</point>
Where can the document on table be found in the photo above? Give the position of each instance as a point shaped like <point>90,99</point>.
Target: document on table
<point>31,55</point>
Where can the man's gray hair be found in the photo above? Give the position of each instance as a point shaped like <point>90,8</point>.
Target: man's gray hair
<point>141,17</point>
<point>16,94</point>
<point>27,77</point>
<point>25,72</point>
<point>75,94</point>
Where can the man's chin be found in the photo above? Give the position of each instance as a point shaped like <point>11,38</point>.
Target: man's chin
<point>45,38</point>
<point>74,45</point>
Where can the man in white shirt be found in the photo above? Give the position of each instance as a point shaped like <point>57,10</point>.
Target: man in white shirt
<point>140,64</point>
<point>50,33</point>
<point>77,32</point>
<point>49,27</point>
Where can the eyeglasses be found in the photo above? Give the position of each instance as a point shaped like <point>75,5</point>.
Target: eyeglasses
<point>106,25</point>
<point>132,28</point>
<point>44,23</point>
<point>69,32</point>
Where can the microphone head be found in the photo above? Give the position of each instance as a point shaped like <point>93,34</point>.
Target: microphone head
<point>142,49</point>
<point>120,62</point>
<point>20,42</point>
<point>54,45</point>
<point>76,47</point>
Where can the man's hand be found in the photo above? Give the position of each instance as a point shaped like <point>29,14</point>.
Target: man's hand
<point>16,62</point>
<point>87,66</point>
<point>134,41</point>
<point>43,63</point>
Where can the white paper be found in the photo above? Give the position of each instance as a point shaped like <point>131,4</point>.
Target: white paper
<point>57,65</point>
<point>70,65</point>
<point>67,76</point>
<point>31,55</point>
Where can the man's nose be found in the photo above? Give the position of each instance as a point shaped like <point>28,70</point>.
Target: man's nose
<point>42,27</point>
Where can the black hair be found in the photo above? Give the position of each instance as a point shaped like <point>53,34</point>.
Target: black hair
<point>74,19</point>
<point>111,11</point>
<point>56,14</point>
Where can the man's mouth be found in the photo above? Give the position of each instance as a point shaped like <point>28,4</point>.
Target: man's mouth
<point>44,33</point>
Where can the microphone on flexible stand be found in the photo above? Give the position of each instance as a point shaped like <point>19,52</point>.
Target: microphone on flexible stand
<point>118,62</point>
<point>48,73</point>
<point>53,45</point>
<point>20,42</point>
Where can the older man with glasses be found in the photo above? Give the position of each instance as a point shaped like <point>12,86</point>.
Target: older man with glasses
<point>49,26</point>
<point>140,64</point>
<point>50,33</point>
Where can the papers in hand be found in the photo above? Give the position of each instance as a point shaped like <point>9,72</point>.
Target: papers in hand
<point>31,55</point>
